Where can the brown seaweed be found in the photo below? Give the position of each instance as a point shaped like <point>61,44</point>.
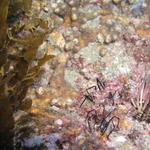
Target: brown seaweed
<point>16,73</point>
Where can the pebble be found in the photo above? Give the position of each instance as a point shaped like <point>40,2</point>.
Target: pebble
<point>55,108</point>
<point>95,14</point>
<point>11,68</point>
<point>58,38</point>
<point>69,46</point>
<point>146,26</point>
<point>109,22</point>
<point>54,5</point>
<point>76,41</point>
<point>62,58</point>
<point>74,9</point>
<point>114,36</point>
<point>60,1</point>
<point>144,5</point>
<point>100,38</point>
<point>57,10</point>
<point>54,101</point>
<point>120,139</point>
<point>64,6</point>
<point>123,4</point>
<point>46,9</point>
<point>59,122</point>
<point>74,16</point>
<point>102,52</point>
<point>116,1</point>
<point>131,1</point>
<point>19,114</point>
<point>108,39</point>
<point>40,90</point>
<point>75,29</point>
<point>106,1</point>
<point>69,101</point>
<point>79,137</point>
<point>66,146</point>
<point>73,3</point>
<point>118,28</point>
<point>131,28</point>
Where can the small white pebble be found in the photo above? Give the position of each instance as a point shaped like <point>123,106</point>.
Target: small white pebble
<point>11,68</point>
<point>60,1</point>
<point>121,139</point>
<point>59,122</point>
<point>118,28</point>
<point>110,144</point>
<point>123,4</point>
<point>40,90</point>
<point>102,52</point>
<point>76,41</point>
<point>57,10</point>
<point>100,38</point>
<point>114,36</point>
<point>75,29</point>
<point>84,19</point>
<point>131,1</point>
<point>71,3</point>
<point>74,17</point>
<point>69,101</point>
<point>54,5</point>
<point>46,9</point>
<point>144,5</point>
<point>55,108</point>
<point>108,38</point>
<point>106,1</point>
<point>79,137</point>
<point>95,14</point>
<point>109,21</point>
<point>54,101</point>
<point>74,9</point>
<point>116,1</point>
<point>63,6</point>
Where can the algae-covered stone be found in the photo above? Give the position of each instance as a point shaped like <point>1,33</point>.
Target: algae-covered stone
<point>90,53</point>
<point>93,24</point>
<point>56,38</point>
<point>117,63</point>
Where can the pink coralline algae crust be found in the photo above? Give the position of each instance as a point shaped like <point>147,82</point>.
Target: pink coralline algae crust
<point>117,86</point>
<point>120,91</point>
<point>137,47</point>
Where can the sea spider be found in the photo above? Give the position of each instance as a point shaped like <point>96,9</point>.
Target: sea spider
<point>111,97</point>
<point>102,121</point>
<point>89,96</point>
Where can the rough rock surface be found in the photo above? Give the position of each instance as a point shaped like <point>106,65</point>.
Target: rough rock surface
<point>90,39</point>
